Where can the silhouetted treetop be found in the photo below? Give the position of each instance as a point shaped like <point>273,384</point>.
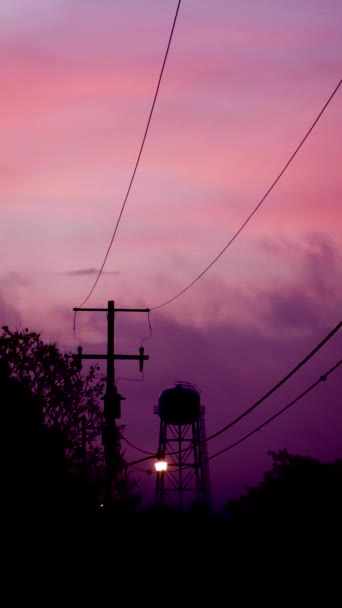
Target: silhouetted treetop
<point>37,375</point>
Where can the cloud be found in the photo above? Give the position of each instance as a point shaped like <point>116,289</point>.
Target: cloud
<point>15,279</point>
<point>9,315</point>
<point>313,292</point>
<point>87,272</point>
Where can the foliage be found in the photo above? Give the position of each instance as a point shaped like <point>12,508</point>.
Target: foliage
<point>298,490</point>
<point>46,388</point>
<point>67,399</point>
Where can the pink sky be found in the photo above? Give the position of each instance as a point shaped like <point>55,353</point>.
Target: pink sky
<point>242,84</point>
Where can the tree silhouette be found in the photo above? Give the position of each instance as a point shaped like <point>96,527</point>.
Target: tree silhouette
<point>35,477</point>
<point>64,397</point>
<point>49,408</point>
<point>298,492</point>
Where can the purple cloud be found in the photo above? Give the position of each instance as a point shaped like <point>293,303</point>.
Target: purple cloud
<point>87,272</point>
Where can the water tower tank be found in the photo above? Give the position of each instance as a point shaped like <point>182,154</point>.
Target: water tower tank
<point>179,405</point>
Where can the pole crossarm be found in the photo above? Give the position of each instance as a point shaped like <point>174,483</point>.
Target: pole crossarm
<point>146,310</point>
<point>112,357</point>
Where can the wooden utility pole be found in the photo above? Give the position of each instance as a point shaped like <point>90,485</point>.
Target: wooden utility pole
<point>112,399</point>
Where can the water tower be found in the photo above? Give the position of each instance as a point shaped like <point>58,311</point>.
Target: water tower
<point>182,438</point>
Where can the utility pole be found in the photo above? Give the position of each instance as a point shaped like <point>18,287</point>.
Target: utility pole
<point>112,399</point>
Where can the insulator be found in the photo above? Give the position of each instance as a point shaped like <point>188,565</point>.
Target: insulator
<point>141,360</point>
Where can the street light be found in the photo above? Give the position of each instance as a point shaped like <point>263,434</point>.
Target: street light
<point>161,464</point>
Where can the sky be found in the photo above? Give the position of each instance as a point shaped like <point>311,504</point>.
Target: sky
<point>242,84</point>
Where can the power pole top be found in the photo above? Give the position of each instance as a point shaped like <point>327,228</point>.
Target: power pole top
<point>110,357</point>
<point>112,399</point>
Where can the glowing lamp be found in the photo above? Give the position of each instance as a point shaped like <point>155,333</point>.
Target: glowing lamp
<point>161,465</point>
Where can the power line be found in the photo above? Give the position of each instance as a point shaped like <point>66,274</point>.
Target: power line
<point>150,335</point>
<point>180,293</point>
<point>136,448</point>
<point>269,393</point>
<point>258,428</point>
<point>147,471</point>
<point>279,384</point>
<point>131,464</point>
<point>139,156</point>
<point>131,379</point>
<point>308,390</point>
<point>322,378</point>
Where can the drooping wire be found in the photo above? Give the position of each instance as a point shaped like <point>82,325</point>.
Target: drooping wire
<point>136,448</point>
<point>131,464</point>
<point>150,335</point>
<point>279,384</point>
<point>74,328</point>
<point>139,154</point>
<point>131,379</point>
<point>234,237</point>
<point>147,471</point>
<point>323,378</point>
<point>272,390</point>
<point>143,340</point>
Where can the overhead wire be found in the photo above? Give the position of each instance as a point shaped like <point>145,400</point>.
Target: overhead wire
<point>146,471</point>
<point>322,378</point>
<point>134,462</point>
<point>273,389</point>
<point>150,335</point>
<point>136,448</point>
<point>130,379</point>
<point>142,341</point>
<point>139,154</point>
<point>279,384</point>
<point>234,237</point>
